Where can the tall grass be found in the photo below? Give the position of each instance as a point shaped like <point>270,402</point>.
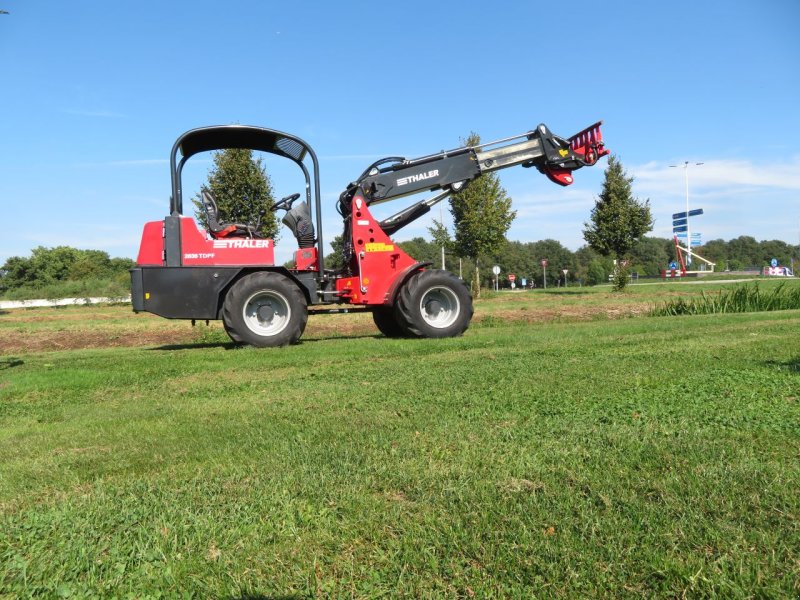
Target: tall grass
<point>740,299</point>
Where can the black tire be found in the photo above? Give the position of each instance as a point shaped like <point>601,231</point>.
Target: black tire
<point>434,304</point>
<point>265,310</point>
<point>386,322</point>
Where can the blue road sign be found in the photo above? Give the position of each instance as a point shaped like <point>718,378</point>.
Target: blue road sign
<point>679,222</point>
<point>680,228</point>
<point>679,215</point>
<point>774,262</point>
<point>695,212</point>
<point>696,235</point>
<point>697,243</point>
<point>673,265</point>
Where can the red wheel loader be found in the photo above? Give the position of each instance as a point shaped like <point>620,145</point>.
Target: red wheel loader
<point>228,271</point>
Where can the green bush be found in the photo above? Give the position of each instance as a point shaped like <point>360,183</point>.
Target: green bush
<point>64,272</point>
<point>115,287</point>
<point>597,273</point>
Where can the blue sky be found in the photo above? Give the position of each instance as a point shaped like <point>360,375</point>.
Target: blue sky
<point>94,94</point>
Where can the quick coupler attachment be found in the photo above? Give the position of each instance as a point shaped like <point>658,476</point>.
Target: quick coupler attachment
<point>565,156</point>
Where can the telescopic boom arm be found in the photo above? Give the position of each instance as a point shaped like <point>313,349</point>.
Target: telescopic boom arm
<point>452,169</point>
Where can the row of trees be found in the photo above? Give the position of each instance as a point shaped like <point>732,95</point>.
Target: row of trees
<point>647,257</point>
<point>66,270</point>
<point>744,252</point>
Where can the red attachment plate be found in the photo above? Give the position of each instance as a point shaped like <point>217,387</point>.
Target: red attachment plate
<point>589,143</point>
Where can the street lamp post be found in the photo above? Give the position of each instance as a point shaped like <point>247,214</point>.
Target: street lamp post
<point>688,226</point>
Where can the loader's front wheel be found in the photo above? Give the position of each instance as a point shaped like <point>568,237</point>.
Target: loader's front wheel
<point>265,309</point>
<point>434,304</point>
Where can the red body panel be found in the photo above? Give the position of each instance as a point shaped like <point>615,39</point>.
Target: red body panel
<point>380,261</point>
<point>151,250</point>
<point>305,259</point>
<point>198,249</point>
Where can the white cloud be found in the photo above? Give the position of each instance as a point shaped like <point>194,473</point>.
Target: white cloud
<point>720,176</point>
<point>739,197</point>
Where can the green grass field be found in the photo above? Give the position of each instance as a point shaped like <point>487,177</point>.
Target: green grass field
<point>553,451</point>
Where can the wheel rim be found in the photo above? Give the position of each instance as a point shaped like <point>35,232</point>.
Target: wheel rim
<point>439,307</point>
<point>267,313</point>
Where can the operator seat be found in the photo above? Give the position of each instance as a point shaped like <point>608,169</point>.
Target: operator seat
<point>221,230</point>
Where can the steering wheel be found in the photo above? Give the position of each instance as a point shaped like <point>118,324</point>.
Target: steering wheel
<point>285,203</point>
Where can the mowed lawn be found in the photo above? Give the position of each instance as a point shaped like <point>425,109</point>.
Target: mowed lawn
<point>576,456</point>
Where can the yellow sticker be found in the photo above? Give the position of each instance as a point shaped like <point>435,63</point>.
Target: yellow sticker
<point>380,247</point>
<point>563,152</point>
<point>147,295</point>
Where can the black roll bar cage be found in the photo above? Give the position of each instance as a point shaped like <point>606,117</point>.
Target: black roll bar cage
<point>218,137</point>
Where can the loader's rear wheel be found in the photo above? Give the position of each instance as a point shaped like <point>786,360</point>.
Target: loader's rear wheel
<point>434,304</point>
<point>386,322</point>
<point>265,309</point>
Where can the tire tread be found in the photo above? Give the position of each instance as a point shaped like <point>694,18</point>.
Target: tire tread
<point>234,325</point>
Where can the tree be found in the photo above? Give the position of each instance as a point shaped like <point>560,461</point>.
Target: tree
<point>482,215</point>
<point>592,268</point>
<point>441,238</point>
<point>744,251</point>
<point>335,260</point>
<point>242,189</point>
<point>717,252</point>
<point>596,273</point>
<point>775,249</point>
<point>651,254</point>
<point>618,220</point>
<point>558,258</point>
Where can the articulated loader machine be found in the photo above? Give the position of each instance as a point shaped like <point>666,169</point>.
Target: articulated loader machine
<point>228,272</point>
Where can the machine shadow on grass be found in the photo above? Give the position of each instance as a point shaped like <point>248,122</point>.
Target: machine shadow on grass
<point>7,363</point>
<point>267,597</point>
<point>234,346</point>
<point>355,336</point>
<point>792,365</point>
<point>196,346</point>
